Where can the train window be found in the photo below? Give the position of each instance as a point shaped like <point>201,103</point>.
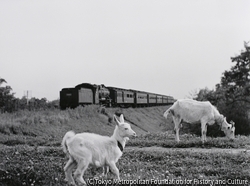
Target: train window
<point>141,97</point>
<point>129,95</point>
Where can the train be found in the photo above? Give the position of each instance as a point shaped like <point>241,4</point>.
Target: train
<point>86,94</point>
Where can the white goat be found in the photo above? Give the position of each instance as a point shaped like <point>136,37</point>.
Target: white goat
<point>192,111</point>
<point>86,149</point>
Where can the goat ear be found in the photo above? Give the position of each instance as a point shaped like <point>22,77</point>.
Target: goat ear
<point>232,123</point>
<point>117,121</point>
<point>121,118</point>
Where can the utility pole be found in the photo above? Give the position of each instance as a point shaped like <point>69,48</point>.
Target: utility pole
<point>27,94</point>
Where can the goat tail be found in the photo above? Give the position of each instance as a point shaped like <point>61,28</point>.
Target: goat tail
<point>170,110</point>
<point>66,137</point>
<point>165,115</point>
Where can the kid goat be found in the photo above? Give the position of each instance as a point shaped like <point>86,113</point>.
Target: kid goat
<point>86,149</point>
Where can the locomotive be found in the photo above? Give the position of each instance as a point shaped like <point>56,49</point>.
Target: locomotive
<point>86,93</point>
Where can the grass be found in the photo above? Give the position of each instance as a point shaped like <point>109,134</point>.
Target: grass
<point>47,127</point>
<point>26,165</point>
<point>30,151</point>
<point>188,140</point>
<point>185,165</point>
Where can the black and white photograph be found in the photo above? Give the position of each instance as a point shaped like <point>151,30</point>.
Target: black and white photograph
<point>116,92</point>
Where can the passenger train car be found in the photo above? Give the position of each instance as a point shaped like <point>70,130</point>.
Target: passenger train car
<point>86,93</point>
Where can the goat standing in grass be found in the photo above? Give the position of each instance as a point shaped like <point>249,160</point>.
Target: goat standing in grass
<point>86,149</point>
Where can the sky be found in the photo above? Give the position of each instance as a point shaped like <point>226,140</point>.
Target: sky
<point>170,47</point>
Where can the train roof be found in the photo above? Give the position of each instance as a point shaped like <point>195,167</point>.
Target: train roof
<point>132,90</point>
<point>94,86</point>
<point>86,85</point>
<point>116,88</point>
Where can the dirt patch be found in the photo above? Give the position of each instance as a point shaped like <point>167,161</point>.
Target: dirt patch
<point>154,149</point>
<point>193,149</point>
<point>151,149</point>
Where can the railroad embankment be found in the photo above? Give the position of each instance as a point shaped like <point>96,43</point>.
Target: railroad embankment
<point>47,127</point>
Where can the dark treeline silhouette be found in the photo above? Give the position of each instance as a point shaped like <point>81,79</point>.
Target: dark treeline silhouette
<point>9,103</point>
<point>232,95</point>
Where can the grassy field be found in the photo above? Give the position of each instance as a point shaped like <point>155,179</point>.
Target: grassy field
<point>30,151</point>
<point>48,127</point>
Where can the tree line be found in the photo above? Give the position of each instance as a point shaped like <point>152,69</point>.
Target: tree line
<point>232,95</point>
<point>9,103</point>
